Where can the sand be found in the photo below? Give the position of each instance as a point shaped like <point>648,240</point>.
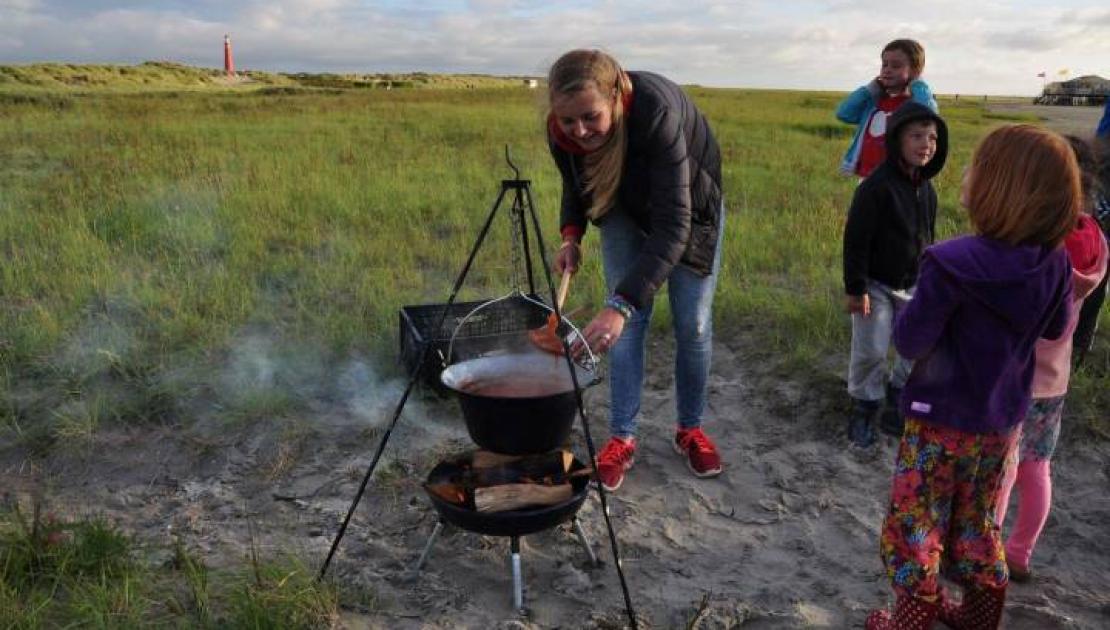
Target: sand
<point>1076,120</point>
<point>786,537</point>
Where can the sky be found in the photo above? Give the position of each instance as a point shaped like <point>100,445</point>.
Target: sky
<point>971,46</point>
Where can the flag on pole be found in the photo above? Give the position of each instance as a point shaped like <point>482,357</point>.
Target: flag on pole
<point>1041,74</point>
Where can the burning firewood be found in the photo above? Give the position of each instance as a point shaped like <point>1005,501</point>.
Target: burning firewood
<point>517,495</point>
<point>492,482</point>
<point>545,468</point>
<point>449,492</point>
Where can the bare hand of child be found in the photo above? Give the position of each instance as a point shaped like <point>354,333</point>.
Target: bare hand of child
<point>860,304</point>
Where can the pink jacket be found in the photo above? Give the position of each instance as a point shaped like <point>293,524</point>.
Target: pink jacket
<point>1087,251</point>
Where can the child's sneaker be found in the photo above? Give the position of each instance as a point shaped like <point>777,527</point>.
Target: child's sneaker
<point>700,453</point>
<point>613,461</point>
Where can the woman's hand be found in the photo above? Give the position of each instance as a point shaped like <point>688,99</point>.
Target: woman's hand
<point>860,304</point>
<point>601,333</point>
<point>568,257</point>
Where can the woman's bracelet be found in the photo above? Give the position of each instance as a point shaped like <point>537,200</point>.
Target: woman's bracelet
<point>620,305</point>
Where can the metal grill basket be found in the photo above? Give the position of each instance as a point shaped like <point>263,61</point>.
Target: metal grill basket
<point>500,325</point>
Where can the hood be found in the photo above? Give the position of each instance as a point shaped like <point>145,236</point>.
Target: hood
<point>1014,283</point>
<point>909,112</point>
<point>1087,252</point>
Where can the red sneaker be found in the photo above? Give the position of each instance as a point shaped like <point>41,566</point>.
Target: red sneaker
<point>613,460</point>
<point>701,455</point>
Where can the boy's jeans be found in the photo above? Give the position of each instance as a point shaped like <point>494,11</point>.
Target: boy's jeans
<point>691,299</point>
<point>867,366</point>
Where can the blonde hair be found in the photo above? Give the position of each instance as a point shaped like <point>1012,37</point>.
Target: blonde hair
<point>1024,187</point>
<point>914,51</point>
<point>576,71</point>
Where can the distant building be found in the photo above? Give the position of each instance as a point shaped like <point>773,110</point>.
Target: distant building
<point>531,83</point>
<point>229,63</point>
<point>1085,90</point>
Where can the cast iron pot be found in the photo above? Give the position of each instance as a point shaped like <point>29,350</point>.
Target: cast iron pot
<point>510,522</point>
<point>518,403</point>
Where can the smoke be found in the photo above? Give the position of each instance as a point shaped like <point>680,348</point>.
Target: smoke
<point>101,341</point>
<point>267,375</point>
<point>365,395</point>
<point>260,365</point>
<point>108,373</point>
<point>264,376</point>
<point>372,399</point>
<point>253,367</point>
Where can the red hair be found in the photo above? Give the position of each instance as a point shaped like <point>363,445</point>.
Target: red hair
<point>1024,186</point>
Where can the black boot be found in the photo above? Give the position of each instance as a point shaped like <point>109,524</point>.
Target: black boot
<point>891,422</point>
<point>861,423</point>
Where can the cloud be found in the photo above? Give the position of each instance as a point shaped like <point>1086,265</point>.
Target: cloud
<point>1027,40</point>
<point>1085,18</point>
<point>988,46</point>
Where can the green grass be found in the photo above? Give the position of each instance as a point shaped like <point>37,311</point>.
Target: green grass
<point>175,254</point>
<point>86,573</point>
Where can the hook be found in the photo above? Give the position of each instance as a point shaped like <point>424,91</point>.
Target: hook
<point>509,159</point>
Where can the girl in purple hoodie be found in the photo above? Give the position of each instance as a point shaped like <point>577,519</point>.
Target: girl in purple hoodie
<point>982,301</point>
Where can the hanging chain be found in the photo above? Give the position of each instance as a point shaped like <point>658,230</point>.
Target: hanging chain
<point>516,215</point>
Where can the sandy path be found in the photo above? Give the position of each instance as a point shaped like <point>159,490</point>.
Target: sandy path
<point>787,537</point>
<point>1079,121</point>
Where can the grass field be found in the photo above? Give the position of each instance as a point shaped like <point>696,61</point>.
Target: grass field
<point>153,241</point>
<point>213,253</point>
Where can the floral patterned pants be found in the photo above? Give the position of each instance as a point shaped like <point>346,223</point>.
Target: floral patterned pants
<point>942,506</point>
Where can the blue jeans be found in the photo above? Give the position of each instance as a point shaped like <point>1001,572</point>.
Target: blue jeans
<point>691,297</point>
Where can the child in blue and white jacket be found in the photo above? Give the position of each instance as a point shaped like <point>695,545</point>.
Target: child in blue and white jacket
<point>899,80</point>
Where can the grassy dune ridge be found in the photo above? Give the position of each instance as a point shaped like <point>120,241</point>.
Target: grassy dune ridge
<point>167,75</point>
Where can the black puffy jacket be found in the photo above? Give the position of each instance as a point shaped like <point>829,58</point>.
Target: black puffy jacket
<point>670,186</point>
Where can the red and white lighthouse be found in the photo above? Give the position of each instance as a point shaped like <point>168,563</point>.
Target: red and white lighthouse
<point>229,63</point>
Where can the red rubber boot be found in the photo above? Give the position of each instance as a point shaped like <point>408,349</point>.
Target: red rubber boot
<point>910,613</point>
<point>981,609</point>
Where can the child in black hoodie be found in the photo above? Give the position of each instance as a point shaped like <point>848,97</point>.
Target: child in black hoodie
<point>890,223</point>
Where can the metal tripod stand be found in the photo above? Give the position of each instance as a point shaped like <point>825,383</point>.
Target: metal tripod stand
<point>523,210</point>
